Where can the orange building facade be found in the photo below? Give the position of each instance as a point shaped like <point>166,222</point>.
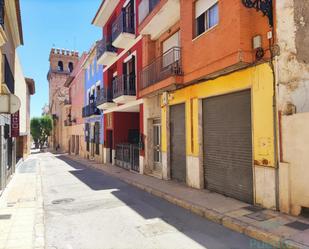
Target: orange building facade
<point>207,88</point>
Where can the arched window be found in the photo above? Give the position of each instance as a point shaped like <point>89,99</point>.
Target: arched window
<point>60,66</point>
<point>71,67</point>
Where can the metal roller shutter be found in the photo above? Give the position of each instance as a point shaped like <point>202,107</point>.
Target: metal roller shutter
<point>178,142</point>
<point>228,145</point>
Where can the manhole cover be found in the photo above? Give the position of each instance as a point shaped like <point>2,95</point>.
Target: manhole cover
<point>259,216</point>
<point>63,201</point>
<point>5,216</point>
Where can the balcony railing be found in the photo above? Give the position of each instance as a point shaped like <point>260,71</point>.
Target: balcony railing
<point>123,24</point>
<point>8,76</point>
<point>105,95</point>
<point>67,122</point>
<point>145,8</point>
<point>165,66</point>
<point>67,102</point>
<point>104,46</point>
<point>124,85</point>
<point>90,110</point>
<point>2,13</point>
<point>127,156</point>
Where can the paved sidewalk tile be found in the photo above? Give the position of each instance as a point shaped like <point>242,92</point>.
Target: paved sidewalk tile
<point>21,202</point>
<point>265,225</point>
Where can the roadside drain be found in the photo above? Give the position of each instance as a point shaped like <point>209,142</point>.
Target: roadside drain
<point>62,201</point>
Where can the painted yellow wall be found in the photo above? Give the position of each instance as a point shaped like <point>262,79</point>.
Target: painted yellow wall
<point>260,80</point>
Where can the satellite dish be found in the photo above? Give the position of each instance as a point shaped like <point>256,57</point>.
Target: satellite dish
<point>9,104</point>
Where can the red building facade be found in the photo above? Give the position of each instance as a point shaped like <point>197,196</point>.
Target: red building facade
<point>120,51</point>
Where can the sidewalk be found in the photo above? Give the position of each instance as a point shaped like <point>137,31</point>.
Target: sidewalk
<point>277,229</point>
<point>21,209</point>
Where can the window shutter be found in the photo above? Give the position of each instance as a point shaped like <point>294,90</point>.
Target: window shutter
<point>202,5</point>
<point>171,42</point>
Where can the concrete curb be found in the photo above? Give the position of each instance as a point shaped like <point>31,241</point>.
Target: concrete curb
<point>212,215</point>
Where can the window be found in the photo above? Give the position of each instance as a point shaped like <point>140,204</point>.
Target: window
<point>93,69</point>
<point>71,67</point>
<point>60,66</point>
<point>97,137</point>
<point>98,87</point>
<point>206,15</point>
<point>169,48</point>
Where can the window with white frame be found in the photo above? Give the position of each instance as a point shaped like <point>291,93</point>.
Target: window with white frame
<point>206,15</point>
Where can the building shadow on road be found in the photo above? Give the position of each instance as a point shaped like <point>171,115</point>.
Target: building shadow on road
<point>156,210</point>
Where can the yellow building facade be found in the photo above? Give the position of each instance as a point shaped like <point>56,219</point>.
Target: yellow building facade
<point>259,81</point>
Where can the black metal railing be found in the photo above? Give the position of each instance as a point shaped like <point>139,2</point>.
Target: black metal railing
<point>127,156</point>
<point>168,64</point>
<point>90,110</point>
<point>124,85</point>
<point>8,76</point>
<point>67,122</point>
<point>123,24</point>
<point>105,95</point>
<point>145,8</point>
<point>67,102</point>
<point>2,13</point>
<point>104,46</point>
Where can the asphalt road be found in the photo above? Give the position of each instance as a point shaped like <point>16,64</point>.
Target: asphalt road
<point>86,209</point>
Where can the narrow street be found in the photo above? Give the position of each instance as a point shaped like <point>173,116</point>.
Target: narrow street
<point>85,208</point>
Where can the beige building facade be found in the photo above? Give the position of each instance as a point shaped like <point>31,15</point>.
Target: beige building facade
<point>24,88</point>
<point>62,64</point>
<point>11,37</point>
<point>292,76</point>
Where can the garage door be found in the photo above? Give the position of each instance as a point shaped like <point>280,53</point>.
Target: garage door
<point>227,145</point>
<point>178,142</point>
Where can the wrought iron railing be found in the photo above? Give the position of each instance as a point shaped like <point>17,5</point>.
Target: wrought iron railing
<point>90,110</point>
<point>127,156</point>
<point>145,8</point>
<point>124,85</point>
<point>2,13</point>
<point>67,122</point>
<point>67,102</point>
<point>105,95</point>
<point>123,24</point>
<point>168,64</point>
<point>8,76</point>
<point>104,46</point>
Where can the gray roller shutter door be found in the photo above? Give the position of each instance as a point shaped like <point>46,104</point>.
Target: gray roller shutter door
<point>228,145</point>
<point>178,142</point>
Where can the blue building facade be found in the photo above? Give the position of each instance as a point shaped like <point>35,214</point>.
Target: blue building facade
<point>93,117</point>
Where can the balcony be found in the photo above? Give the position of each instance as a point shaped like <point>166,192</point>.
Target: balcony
<point>124,89</point>
<point>123,30</point>
<point>9,81</point>
<point>90,110</point>
<point>105,99</point>
<point>106,53</point>
<point>167,66</point>
<point>67,102</point>
<point>155,18</point>
<point>67,122</point>
<point>104,12</point>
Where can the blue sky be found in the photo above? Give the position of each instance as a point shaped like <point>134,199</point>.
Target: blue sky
<point>53,23</point>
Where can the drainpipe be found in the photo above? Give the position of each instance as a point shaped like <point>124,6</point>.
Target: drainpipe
<point>274,67</point>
